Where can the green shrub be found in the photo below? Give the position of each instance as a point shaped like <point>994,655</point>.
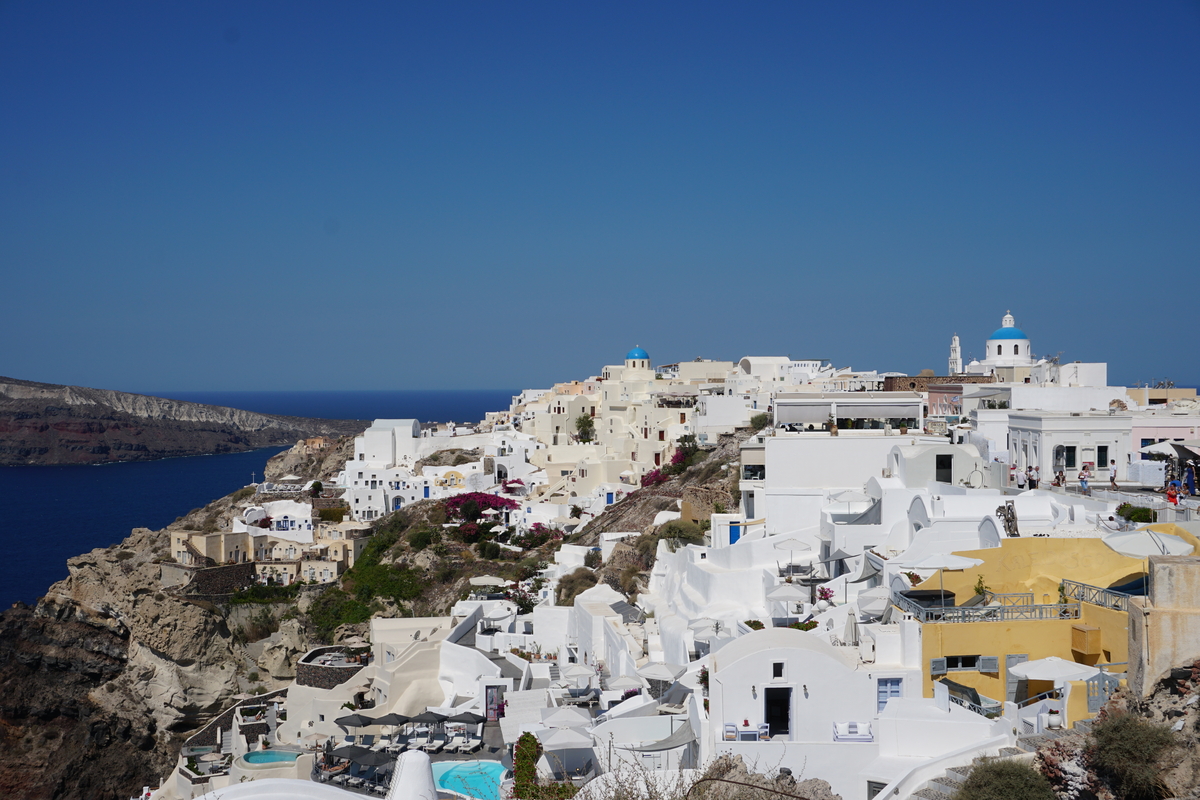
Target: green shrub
<point>243,493</point>
<point>592,559</point>
<point>760,421</point>
<point>265,594</point>
<point>331,514</point>
<point>679,532</point>
<point>419,539</point>
<point>1125,751</point>
<point>1004,780</point>
<point>1139,514</point>
<point>572,585</point>
<point>489,550</point>
<point>124,555</point>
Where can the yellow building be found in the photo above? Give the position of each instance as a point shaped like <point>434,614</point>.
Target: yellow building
<point>1026,613</point>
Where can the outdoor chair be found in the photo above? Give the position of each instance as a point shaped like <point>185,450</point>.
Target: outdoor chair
<point>472,744</point>
<point>455,743</point>
<point>367,740</point>
<point>731,732</point>
<point>764,732</point>
<point>434,744</point>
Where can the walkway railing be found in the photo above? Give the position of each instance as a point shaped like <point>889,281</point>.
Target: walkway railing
<point>1094,595</point>
<point>1010,599</point>
<point>1000,613</point>
<point>990,713</point>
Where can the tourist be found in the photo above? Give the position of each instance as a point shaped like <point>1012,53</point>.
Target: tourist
<point>1173,493</point>
<point>1035,475</point>
<point>1084,476</point>
<point>1189,478</point>
<point>1021,477</point>
<point>1112,475</point>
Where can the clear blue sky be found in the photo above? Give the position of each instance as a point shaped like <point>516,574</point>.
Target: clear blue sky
<point>299,195</point>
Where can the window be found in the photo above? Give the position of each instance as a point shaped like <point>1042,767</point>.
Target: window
<point>888,688</point>
<point>361,457</point>
<point>1016,349</point>
<point>777,669</point>
<point>1102,456</point>
<point>962,663</point>
<point>662,436</point>
<point>999,349</point>
<point>1069,457</point>
<point>874,788</point>
<point>1146,443</point>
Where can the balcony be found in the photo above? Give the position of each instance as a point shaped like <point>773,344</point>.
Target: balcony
<point>1000,608</point>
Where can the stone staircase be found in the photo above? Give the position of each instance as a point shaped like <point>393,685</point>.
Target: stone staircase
<point>555,673</point>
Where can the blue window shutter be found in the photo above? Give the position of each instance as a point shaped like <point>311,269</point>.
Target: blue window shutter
<point>990,664</point>
<point>937,666</point>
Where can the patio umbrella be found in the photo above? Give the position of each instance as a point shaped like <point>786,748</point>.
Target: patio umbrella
<point>354,721</point>
<point>702,623</point>
<point>1053,669</point>
<point>711,635</point>
<point>428,718</point>
<point>578,671</point>
<point>565,717</point>
<point>943,562</point>
<point>852,496</point>
<point>788,593</point>
<point>210,757</point>
<point>625,682</point>
<point>874,601</point>
<point>350,751</point>
<point>1169,449</point>
<point>468,717</point>
<point>661,671</point>
<point>487,580</point>
<point>313,738</point>
<point>392,719</point>
<point>1145,542</point>
<point>566,739</point>
<point>373,758</point>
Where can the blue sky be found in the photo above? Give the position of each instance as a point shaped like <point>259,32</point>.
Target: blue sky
<point>238,196</point>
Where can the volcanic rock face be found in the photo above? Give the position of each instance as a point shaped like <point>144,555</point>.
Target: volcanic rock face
<point>95,681</point>
<point>42,423</point>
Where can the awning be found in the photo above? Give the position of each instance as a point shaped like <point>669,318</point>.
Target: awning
<point>786,413</point>
<point>878,411</point>
<point>865,570</point>
<point>684,735</point>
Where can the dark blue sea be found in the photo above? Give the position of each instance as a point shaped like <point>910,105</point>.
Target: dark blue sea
<point>59,512</point>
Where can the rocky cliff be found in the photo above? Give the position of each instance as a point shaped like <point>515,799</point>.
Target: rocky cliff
<point>42,423</point>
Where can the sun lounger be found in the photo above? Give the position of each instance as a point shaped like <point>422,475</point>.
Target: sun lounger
<point>472,744</point>
<point>434,744</point>
<point>455,743</point>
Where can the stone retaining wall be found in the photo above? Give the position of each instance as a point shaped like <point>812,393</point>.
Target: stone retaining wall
<point>224,580</point>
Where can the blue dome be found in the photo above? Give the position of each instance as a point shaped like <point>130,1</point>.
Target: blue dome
<point>636,353</point>
<point>1009,333</point>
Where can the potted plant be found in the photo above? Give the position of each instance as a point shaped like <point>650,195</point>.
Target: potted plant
<point>832,424</point>
<point>825,598</point>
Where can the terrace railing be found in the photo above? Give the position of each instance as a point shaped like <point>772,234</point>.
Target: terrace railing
<point>1094,595</point>
<point>1000,613</point>
<point>990,713</point>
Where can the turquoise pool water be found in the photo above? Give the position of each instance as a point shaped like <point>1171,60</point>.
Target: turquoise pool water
<point>270,756</point>
<point>479,779</point>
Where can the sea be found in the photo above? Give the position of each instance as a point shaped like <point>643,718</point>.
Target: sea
<point>56,512</point>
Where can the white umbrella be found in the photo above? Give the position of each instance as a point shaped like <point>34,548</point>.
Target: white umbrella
<point>792,543</point>
<point>565,717</point>
<point>566,739</point>
<point>500,612</point>
<point>661,671</point>
<point>710,635</point>
<point>578,671</point>
<point>1170,449</point>
<point>788,592</point>
<point>1053,669</point>
<point>702,623</point>
<point>1145,542</point>
<point>487,580</point>
<point>874,601</point>
<point>851,496</point>
<point>625,682</point>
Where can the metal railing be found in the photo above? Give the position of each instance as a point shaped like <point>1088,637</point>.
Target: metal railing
<point>1010,599</point>
<point>1001,613</point>
<point>1053,694</point>
<point>990,713</point>
<point>1094,595</point>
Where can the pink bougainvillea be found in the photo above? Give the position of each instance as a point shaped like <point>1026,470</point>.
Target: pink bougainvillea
<point>482,502</point>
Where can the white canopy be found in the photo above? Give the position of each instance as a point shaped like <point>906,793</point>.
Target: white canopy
<point>874,601</point>
<point>661,671</point>
<point>788,593</point>
<point>625,682</point>
<point>1145,542</point>
<point>792,543</point>
<point>577,671</point>
<point>942,561</point>
<point>487,580</point>
<point>566,739</point>
<point>1054,669</point>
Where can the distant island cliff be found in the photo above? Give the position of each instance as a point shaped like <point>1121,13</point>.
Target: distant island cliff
<point>44,423</point>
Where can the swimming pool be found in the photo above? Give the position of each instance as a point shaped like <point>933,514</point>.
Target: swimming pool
<point>479,779</point>
<point>270,756</point>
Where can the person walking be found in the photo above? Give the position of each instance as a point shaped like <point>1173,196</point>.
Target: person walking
<point>1021,478</point>
<point>1189,478</point>
<point>1084,476</point>
<point>1035,475</point>
<point>1112,475</point>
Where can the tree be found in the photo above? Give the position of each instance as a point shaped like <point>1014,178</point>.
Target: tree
<point>585,428</point>
<point>316,489</point>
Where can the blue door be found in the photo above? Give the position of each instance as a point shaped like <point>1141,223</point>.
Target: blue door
<point>735,533</point>
<point>610,498</point>
<point>427,491</point>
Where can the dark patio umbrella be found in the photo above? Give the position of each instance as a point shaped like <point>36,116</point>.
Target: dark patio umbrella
<point>374,759</point>
<point>354,721</point>
<point>468,717</point>
<point>428,718</point>
<point>392,719</point>
<point>350,751</point>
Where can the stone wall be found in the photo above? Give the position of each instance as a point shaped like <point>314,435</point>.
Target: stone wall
<point>916,383</point>
<point>325,677</point>
<point>221,580</point>
<point>1164,626</point>
<point>698,501</point>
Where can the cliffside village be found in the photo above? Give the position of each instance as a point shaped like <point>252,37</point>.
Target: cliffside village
<point>919,571</point>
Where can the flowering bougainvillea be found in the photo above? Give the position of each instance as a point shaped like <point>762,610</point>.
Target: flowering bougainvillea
<point>477,502</point>
<point>825,593</point>
<point>654,477</point>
